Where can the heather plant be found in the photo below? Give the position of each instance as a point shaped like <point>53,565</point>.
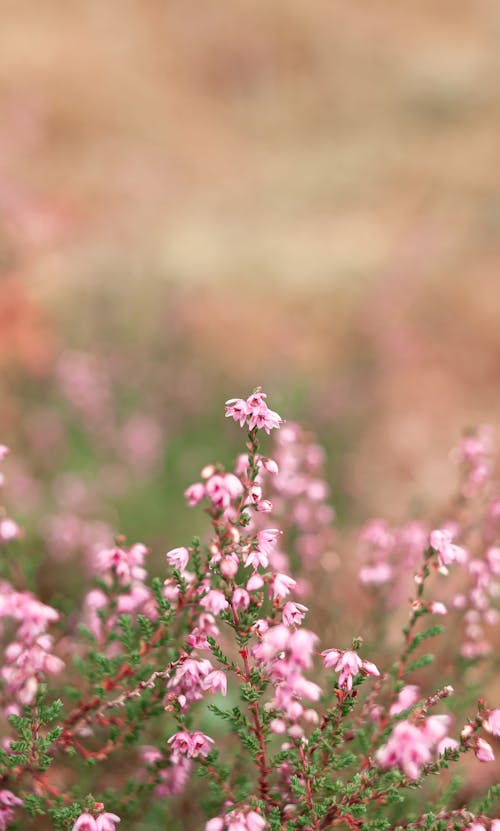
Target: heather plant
<point>199,699</point>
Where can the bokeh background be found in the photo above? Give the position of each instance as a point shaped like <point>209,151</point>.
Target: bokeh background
<point>196,198</point>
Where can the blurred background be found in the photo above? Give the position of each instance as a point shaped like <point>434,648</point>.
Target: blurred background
<point>196,198</point>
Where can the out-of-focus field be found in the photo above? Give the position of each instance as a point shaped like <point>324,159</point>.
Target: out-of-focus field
<point>210,196</point>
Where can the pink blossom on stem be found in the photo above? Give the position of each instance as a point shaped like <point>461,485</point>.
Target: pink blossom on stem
<point>229,566</point>
<point>492,723</point>
<point>270,465</point>
<point>281,585</point>
<point>178,558</point>
<point>194,494</point>
<point>349,664</point>
<point>214,602</point>
<point>265,544</point>
<point>222,488</point>
<point>437,608</point>
<point>126,563</point>
<point>240,599</point>
<point>448,743</point>
<point>254,411</point>
<point>406,698</point>
<point>255,583</point>
<point>447,552</point>
<point>85,822</point>
<point>215,681</point>
<point>191,744</point>
<point>215,824</point>
<point>484,751</point>
<point>8,802</point>
<point>238,409</point>
<point>293,613</point>
<point>106,822</point>
<point>407,748</point>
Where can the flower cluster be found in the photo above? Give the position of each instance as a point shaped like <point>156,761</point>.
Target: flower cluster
<point>474,454</point>
<point>349,665</point>
<point>210,680</point>
<point>299,495</point>
<point>411,746</point>
<point>254,412</point>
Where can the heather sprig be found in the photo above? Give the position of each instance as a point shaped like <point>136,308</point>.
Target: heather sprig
<point>213,669</point>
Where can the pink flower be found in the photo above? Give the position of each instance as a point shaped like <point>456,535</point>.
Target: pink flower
<point>293,613</point>
<point>281,585</point>
<point>240,599</point>
<point>150,754</point>
<point>254,821</point>
<point>257,558</point>
<point>222,488</point>
<point>277,725</point>
<point>266,419</point>
<point>267,539</point>
<point>191,745</point>
<point>260,414</point>
<point>106,822</point>
<point>127,563</point>
<point>8,802</point>
<point>348,664</point>
<point>214,602</point>
<point>270,465</point>
<point>447,552</point>
<point>376,575</point>
<point>301,643</point>
<point>9,530</point>
<point>492,723</point>
<point>194,494</point>
<point>436,727</point>
<point>437,608</point>
<point>85,822</point>
<point>9,799</point>
<point>447,744</point>
<point>215,681</point>
<point>229,566</point>
<point>238,409</point>
<point>255,583</point>
<point>484,751</point>
<point>266,542</point>
<point>238,820</point>
<point>407,748</point>
<point>178,558</point>
<point>215,824</point>
<point>369,668</point>
<point>254,411</point>
<point>255,493</point>
<point>181,742</point>
<point>200,744</point>
<point>406,698</point>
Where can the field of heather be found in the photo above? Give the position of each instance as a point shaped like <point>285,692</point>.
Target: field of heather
<point>249,421</point>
